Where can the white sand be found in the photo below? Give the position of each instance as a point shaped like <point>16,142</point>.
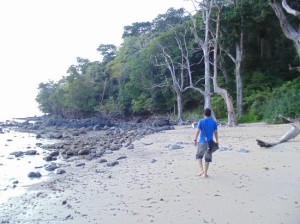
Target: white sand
<point>261,186</point>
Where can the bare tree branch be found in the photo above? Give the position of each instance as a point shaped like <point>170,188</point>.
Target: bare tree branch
<point>289,10</point>
<point>290,32</point>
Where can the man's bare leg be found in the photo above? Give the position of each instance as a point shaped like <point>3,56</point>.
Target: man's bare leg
<point>201,167</point>
<point>206,169</point>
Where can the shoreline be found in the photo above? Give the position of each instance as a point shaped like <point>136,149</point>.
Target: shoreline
<point>154,183</point>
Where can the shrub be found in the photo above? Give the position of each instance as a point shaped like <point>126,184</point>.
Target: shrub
<point>284,100</point>
<point>285,103</point>
<point>219,107</point>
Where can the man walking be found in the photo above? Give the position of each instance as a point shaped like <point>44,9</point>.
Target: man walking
<point>207,128</point>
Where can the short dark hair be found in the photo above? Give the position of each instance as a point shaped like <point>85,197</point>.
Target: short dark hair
<point>207,112</point>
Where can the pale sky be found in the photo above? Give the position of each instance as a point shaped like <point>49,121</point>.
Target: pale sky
<point>40,39</point>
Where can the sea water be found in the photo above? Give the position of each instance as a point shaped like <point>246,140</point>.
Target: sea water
<point>14,170</point>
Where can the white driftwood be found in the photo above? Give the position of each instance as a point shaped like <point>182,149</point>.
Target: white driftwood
<point>292,133</point>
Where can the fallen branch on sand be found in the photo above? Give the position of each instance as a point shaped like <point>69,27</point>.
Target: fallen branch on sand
<point>292,133</point>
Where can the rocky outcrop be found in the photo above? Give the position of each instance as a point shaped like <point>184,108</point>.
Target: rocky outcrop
<point>88,138</point>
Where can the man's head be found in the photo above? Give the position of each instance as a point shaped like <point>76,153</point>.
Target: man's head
<point>207,112</point>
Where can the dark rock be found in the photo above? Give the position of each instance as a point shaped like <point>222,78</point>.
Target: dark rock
<point>80,164</point>
<point>84,152</point>
<point>115,147</point>
<point>164,128</point>
<point>34,175</point>
<point>49,158</point>
<point>108,151</point>
<point>51,167</point>
<point>90,156</point>
<point>131,146</point>
<point>224,149</point>
<point>82,123</point>
<point>55,135</point>
<point>112,163</point>
<point>243,150</point>
<point>153,161</point>
<point>38,144</point>
<point>17,153</point>
<point>174,147</point>
<point>102,161</point>
<point>55,153</point>
<point>122,157</point>
<point>161,122</point>
<point>31,152</point>
<point>70,153</point>
<point>60,171</point>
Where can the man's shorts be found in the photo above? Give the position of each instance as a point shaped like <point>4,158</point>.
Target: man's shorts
<point>203,152</point>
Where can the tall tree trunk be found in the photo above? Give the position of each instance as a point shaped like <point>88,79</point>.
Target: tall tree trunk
<point>177,76</point>
<point>223,92</point>
<point>207,96</point>
<point>239,82</point>
<point>237,60</point>
<point>204,46</point>
<point>179,106</point>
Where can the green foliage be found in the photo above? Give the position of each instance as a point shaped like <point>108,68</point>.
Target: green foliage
<point>108,51</point>
<point>43,97</point>
<point>57,99</point>
<point>256,93</point>
<point>195,114</point>
<point>109,106</point>
<point>253,105</point>
<point>142,104</point>
<point>80,95</point>
<point>136,29</point>
<point>285,101</point>
<point>219,107</point>
<point>172,18</point>
<point>260,81</point>
<point>249,118</point>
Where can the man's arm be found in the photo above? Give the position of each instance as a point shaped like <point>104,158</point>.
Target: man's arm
<point>216,136</point>
<point>196,136</point>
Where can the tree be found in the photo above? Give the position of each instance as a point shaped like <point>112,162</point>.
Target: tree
<point>234,23</point>
<point>108,51</point>
<point>169,20</point>
<point>80,96</point>
<point>137,29</point>
<point>176,51</point>
<point>223,92</point>
<point>45,91</point>
<point>210,39</point>
<point>204,16</point>
<point>96,71</point>
<point>177,76</point>
<point>289,31</point>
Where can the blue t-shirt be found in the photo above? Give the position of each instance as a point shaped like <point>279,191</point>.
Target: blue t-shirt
<point>207,127</point>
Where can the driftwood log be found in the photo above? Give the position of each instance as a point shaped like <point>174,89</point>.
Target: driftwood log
<point>292,133</point>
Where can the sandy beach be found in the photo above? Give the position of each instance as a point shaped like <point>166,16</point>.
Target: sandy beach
<point>154,183</point>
